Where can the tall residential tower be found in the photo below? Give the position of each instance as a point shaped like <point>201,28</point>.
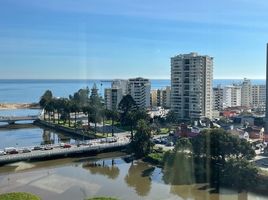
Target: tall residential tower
<point>191,86</point>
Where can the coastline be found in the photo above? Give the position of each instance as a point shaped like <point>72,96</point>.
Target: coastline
<point>13,106</point>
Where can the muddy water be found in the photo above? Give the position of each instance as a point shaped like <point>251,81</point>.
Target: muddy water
<point>105,175</point>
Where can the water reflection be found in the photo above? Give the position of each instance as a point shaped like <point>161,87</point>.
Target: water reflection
<point>179,170</point>
<point>33,136</point>
<point>111,177</point>
<point>139,178</point>
<point>50,137</point>
<point>111,171</point>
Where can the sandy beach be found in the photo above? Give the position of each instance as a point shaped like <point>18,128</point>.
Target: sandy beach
<point>9,106</point>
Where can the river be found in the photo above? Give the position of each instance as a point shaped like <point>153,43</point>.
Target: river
<point>105,175</point>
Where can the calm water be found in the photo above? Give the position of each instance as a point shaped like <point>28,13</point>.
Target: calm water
<point>76,179</point>
<point>25,91</point>
<point>33,136</point>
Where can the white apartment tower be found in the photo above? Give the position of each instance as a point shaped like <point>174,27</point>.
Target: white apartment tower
<point>139,88</point>
<point>120,83</point>
<point>258,96</point>
<point>112,97</point>
<point>191,86</point>
<point>231,96</point>
<point>246,95</point>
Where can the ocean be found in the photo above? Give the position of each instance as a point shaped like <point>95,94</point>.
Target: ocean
<point>28,91</point>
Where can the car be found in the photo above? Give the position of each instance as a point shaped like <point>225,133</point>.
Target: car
<point>26,150</point>
<point>38,148</point>
<point>67,146</point>
<point>13,152</point>
<point>48,148</point>
<point>2,153</point>
<point>169,144</point>
<point>10,149</point>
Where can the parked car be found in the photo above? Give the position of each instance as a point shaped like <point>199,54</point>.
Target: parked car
<point>48,148</point>
<point>2,153</point>
<point>67,146</point>
<point>26,150</point>
<point>10,149</point>
<point>38,148</point>
<point>15,151</point>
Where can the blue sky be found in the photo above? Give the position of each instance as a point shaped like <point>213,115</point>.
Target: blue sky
<point>71,39</point>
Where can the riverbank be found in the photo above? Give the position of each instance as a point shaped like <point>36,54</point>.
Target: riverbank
<point>64,129</point>
<point>13,106</point>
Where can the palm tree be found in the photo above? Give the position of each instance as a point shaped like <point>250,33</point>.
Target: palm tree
<point>113,115</point>
<point>74,108</point>
<point>44,100</point>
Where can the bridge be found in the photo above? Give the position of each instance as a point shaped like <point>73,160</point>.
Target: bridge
<point>13,119</point>
<point>97,145</point>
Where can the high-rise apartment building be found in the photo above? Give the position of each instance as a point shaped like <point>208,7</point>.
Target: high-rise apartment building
<point>191,85</point>
<point>112,97</point>
<point>166,97</point>
<point>139,88</point>
<point>231,96</point>
<point>246,95</point>
<point>153,98</point>
<point>161,97</point>
<point>218,98</point>
<point>120,83</point>
<point>258,96</point>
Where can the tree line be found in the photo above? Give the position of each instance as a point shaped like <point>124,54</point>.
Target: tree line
<point>93,106</point>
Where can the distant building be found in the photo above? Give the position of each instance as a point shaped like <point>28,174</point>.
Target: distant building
<point>258,96</point>
<point>120,83</point>
<point>112,97</point>
<point>191,86</point>
<point>218,98</point>
<point>161,97</point>
<point>139,88</point>
<point>166,93</point>
<point>246,94</point>
<point>153,98</point>
<point>231,96</point>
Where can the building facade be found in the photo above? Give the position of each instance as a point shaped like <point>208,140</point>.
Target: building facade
<point>166,94</point>
<point>121,83</point>
<point>140,88</point>
<point>153,98</point>
<point>191,86</point>
<point>112,97</point>
<point>258,96</point>
<point>246,94</point>
<point>231,96</point>
<point>218,98</point>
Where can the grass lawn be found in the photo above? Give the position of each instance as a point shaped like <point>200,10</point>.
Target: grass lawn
<point>18,196</point>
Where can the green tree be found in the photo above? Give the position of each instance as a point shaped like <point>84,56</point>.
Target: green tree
<point>141,143</point>
<point>183,144</point>
<point>221,145</point>
<point>112,115</point>
<point>81,97</point>
<point>126,105</point>
<point>44,100</point>
<point>74,108</point>
<point>239,174</point>
<point>171,117</point>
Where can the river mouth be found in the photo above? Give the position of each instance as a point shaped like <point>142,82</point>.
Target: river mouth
<point>107,174</point>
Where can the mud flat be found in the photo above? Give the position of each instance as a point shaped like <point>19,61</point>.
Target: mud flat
<point>9,106</point>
